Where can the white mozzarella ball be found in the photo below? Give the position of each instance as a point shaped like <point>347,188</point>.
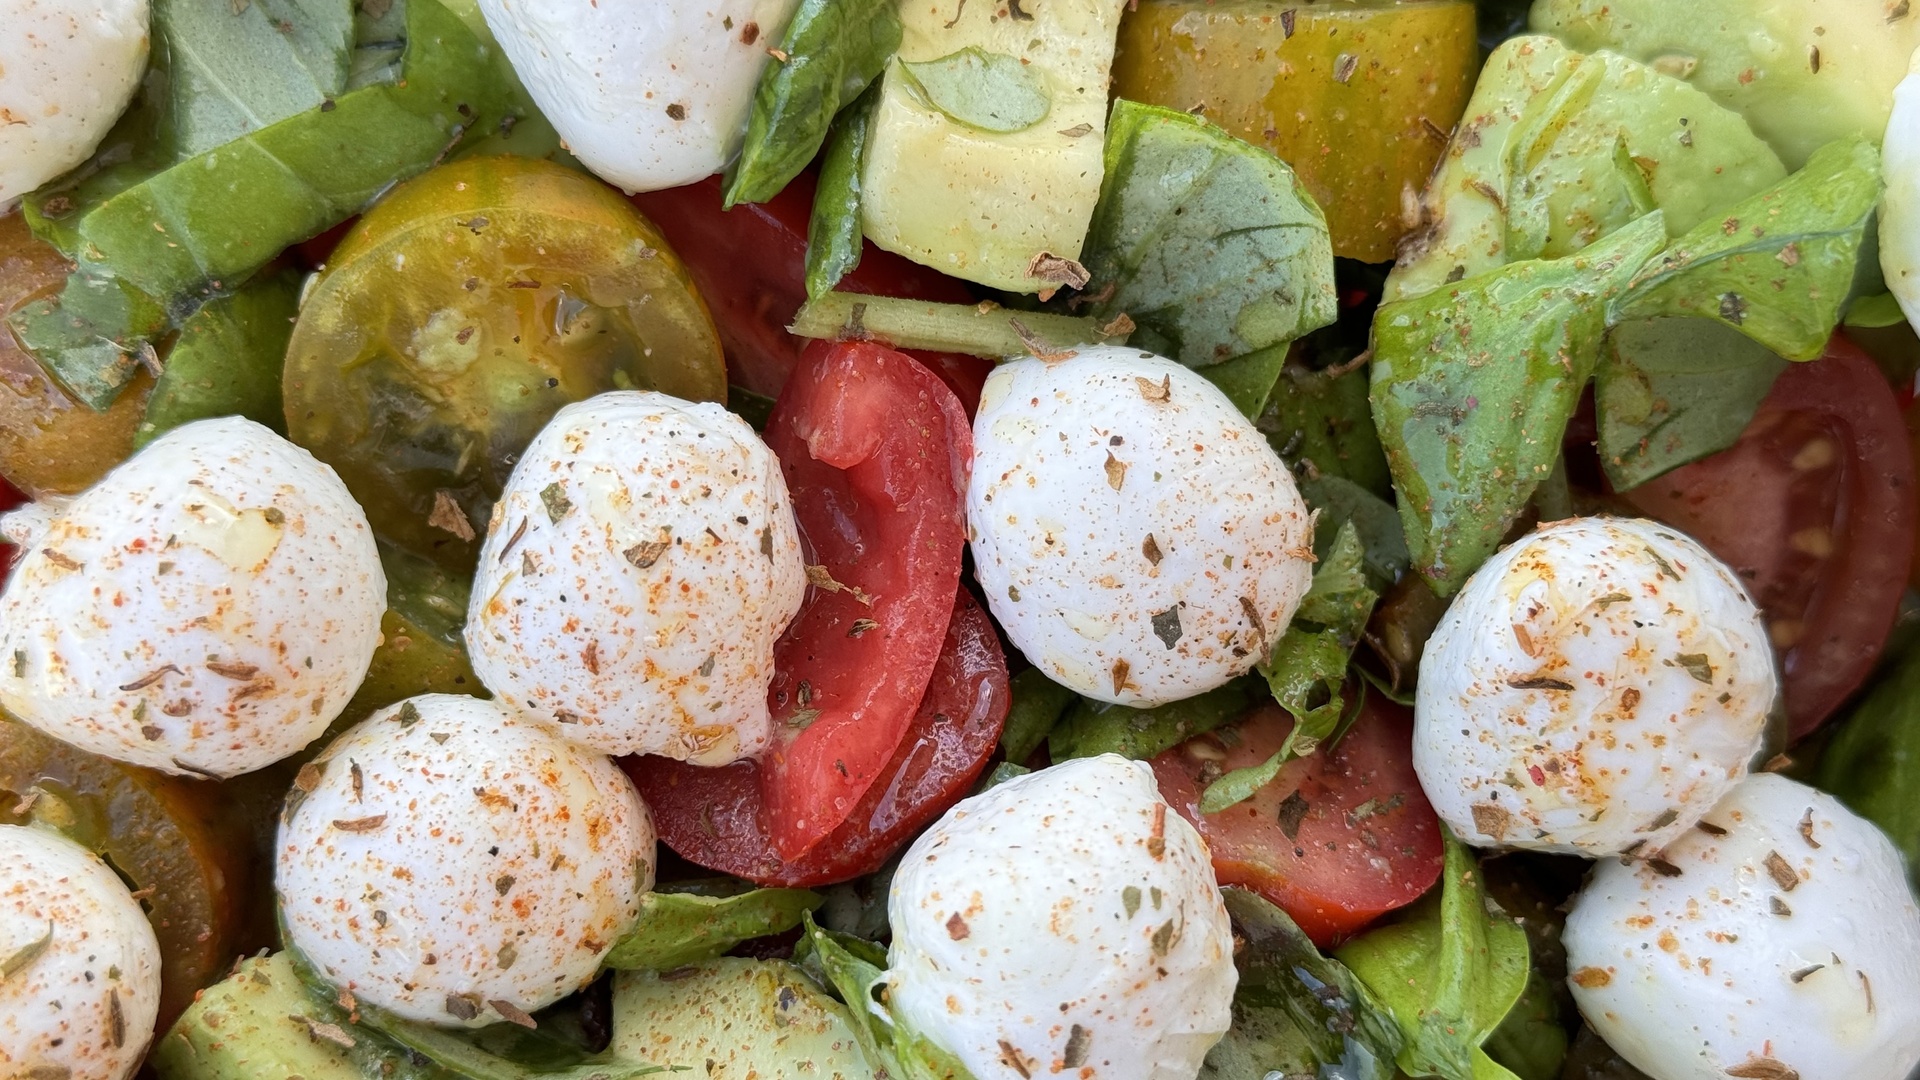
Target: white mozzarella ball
<point>67,72</point>
<point>1778,938</point>
<point>1593,689</point>
<point>208,607</point>
<point>444,857</point>
<point>1064,920</point>
<point>648,94</point>
<point>1136,536</point>
<point>1900,205</point>
<point>639,567</point>
<point>83,982</point>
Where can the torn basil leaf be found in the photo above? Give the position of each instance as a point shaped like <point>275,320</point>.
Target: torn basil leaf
<point>1670,391</point>
<point>1473,385</point>
<point>227,360</point>
<point>1778,266</point>
<point>1873,762</point>
<point>1248,381</point>
<point>1532,1041</point>
<point>1875,311</point>
<point>236,68</point>
<point>1321,419</point>
<point>1209,244</point>
<point>679,928</point>
<point>1037,706</point>
<point>991,91</point>
<point>1091,728</point>
<point>833,230</point>
<point>1341,502</point>
<point>851,966</point>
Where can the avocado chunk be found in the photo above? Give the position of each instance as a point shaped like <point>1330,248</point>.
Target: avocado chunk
<point>735,1018</point>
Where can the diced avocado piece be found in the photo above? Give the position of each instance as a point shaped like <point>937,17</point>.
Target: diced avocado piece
<point>1558,149</point>
<point>731,1019</point>
<point>1803,72</point>
<point>980,204</point>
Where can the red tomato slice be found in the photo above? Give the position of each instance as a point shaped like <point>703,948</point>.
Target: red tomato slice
<point>754,298</point>
<point>876,452</point>
<point>717,818</point>
<point>1337,839</point>
<point>10,497</point>
<point>1814,509</point>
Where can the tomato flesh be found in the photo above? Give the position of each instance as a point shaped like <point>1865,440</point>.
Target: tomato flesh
<point>1814,509</point>
<point>718,819</point>
<point>1336,839</point>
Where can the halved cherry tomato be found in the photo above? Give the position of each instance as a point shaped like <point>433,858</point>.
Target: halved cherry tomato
<point>10,497</point>
<point>1814,509</point>
<point>717,817</point>
<point>1337,839</point>
<point>755,298</point>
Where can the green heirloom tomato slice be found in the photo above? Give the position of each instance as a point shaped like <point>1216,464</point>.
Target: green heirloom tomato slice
<point>459,315</point>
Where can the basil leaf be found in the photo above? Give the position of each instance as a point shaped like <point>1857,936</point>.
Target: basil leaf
<point>1321,419</point>
<point>1473,386</point>
<point>833,230</point>
<point>833,50</point>
<point>1092,728</point>
<point>678,928</point>
<point>1341,502</point>
<point>239,67</point>
<point>1532,1040</point>
<point>1210,244</point>
<point>992,91</point>
<point>852,966</point>
<point>1873,762</point>
<point>182,233</point>
<point>1670,391</point>
<point>1450,974</point>
<point>1248,381</point>
<point>227,360</point>
<point>1038,704</point>
<point>1875,311</point>
<point>1340,597</point>
<point>1778,266</point>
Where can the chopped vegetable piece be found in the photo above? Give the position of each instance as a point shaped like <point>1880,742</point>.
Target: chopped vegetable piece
<point>227,360</point>
<point>680,928</point>
<point>758,1018</point>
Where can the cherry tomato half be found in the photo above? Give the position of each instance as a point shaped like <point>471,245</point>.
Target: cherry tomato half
<point>1814,509</point>
<point>1337,839</point>
<point>718,819</point>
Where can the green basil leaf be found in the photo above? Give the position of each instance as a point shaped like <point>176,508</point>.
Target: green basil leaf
<point>1322,419</point>
<point>1532,1040</point>
<point>1873,762</point>
<point>1241,784</point>
<point>1341,597</point>
<point>833,50</point>
<point>1449,974</point>
<point>1092,728</point>
<point>89,335</point>
<point>1670,391</point>
<point>1777,266</point>
<point>992,91</point>
<point>1248,381</point>
<point>1210,244</point>
<point>833,230</point>
<point>851,966</point>
<point>1038,704</point>
<point>677,928</point>
<point>1875,311</point>
<point>1001,773</point>
<point>1375,522</point>
<point>227,360</point>
<point>242,66</point>
<point>1473,385</point>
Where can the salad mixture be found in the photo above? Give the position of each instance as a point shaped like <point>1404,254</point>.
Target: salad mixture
<point>959,539</point>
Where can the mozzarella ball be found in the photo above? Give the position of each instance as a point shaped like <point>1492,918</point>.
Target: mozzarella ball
<point>648,94</point>
<point>1064,920</point>
<point>1780,929</point>
<point>1593,689</point>
<point>444,857</point>
<point>208,607</point>
<point>639,567</point>
<point>1136,536</point>
<point>67,72</point>
<point>1900,206</point>
<point>83,982</point>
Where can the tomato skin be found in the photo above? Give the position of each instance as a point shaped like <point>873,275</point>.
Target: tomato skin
<point>1814,509</point>
<point>1336,873</point>
<point>753,300</point>
<point>876,452</point>
<point>10,497</point>
<point>717,818</point>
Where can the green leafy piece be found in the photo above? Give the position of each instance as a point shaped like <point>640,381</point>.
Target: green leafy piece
<point>1875,311</point>
<point>1003,772</point>
<point>736,1018</point>
<point>227,360</point>
<point>1038,704</point>
<point>832,50</point>
<point>1341,597</point>
<point>1449,974</point>
<point>833,230</point>
<point>851,966</point>
<point>991,91</point>
<point>974,329</point>
<point>1670,391</point>
<point>1473,385</point>
<point>1873,762</point>
<point>1778,266</point>
<point>1341,502</point>
<point>1532,1041</point>
<point>236,68</point>
<point>183,233</point>
<point>1248,381</point>
<point>1321,419</point>
<point>1210,244</point>
<point>679,928</point>
<point>1092,728</point>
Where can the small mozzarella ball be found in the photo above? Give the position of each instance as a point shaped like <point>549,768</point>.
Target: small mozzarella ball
<point>83,987</point>
<point>1136,536</point>
<point>443,857</point>
<point>208,607</point>
<point>67,72</point>
<point>1900,206</point>
<point>639,567</point>
<point>1593,689</point>
<point>648,94</point>
<point>1781,928</point>
<point>1065,920</point>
